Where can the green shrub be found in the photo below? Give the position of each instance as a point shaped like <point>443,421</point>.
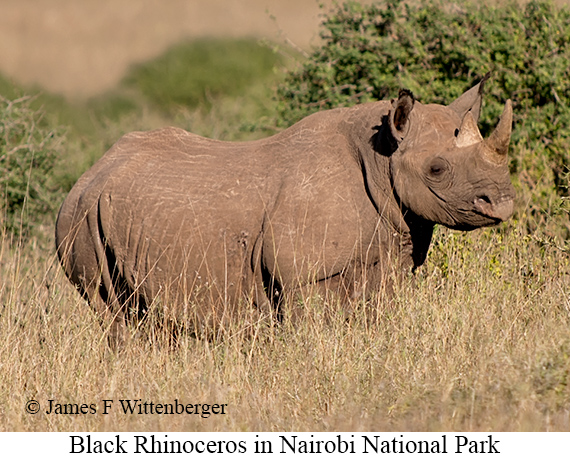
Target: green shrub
<point>193,73</point>
<point>28,152</point>
<point>438,50</point>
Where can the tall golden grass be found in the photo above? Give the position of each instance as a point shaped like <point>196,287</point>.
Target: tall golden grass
<point>477,340</point>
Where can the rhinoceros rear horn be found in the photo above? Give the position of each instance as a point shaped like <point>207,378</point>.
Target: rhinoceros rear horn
<point>469,133</point>
<point>498,142</point>
<point>471,100</point>
<point>399,116</point>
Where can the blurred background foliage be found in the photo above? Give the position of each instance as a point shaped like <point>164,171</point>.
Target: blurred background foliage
<point>199,72</point>
<point>29,148</point>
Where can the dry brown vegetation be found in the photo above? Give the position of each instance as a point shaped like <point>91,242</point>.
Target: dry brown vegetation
<point>478,340</point>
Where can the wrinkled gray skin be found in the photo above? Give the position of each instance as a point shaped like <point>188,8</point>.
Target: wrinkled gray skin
<point>343,200</point>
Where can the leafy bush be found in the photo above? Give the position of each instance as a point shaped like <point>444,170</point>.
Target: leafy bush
<point>191,73</point>
<point>28,152</point>
<point>438,50</point>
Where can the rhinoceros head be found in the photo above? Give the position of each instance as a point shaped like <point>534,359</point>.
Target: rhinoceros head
<point>442,169</point>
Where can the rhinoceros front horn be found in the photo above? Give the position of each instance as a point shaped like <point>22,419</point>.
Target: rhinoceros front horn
<point>498,142</point>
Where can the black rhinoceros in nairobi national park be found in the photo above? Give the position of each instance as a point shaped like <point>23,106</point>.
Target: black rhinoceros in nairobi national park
<point>341,201</point>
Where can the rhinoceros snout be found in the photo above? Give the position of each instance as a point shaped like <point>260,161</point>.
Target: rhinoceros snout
<point>500,210</point>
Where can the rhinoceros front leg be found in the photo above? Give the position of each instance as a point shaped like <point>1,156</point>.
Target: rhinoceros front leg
<point>356,289</point>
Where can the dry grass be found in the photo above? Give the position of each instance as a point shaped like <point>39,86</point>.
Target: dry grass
<point>478,340</point>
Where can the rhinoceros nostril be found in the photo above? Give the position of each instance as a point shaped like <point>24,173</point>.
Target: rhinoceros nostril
<point>483,199</point>
<point>483,205</point>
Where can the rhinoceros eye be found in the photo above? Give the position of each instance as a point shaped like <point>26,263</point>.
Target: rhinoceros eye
<point>437,168</point>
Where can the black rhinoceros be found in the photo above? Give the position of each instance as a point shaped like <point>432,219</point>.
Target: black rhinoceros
<point>341,200</point>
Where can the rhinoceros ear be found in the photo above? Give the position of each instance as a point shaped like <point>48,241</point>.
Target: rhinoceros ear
<point>399,117</point>
<point>470,100</point>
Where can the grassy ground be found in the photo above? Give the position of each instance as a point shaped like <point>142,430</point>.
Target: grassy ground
<point>477,340</point>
